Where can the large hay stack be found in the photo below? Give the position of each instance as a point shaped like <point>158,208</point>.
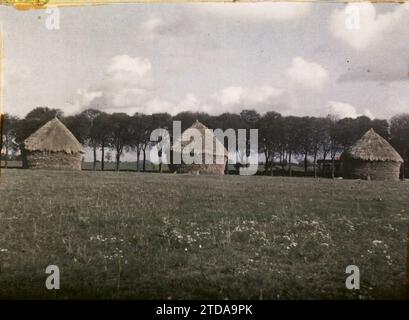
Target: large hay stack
<point>371,158</point>
<point>216,151</point>
<point>52,146</point>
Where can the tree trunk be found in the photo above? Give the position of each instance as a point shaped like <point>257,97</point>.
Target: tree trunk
<point>118,157</point>
<point>333,167</point>
<point>305,164</point>
<point>6,156</point>
<point>315,163</point>
<point>324,158</point>
<point>137,159</point>
<point>282,158</point>
<point>103,156</point>
<point>144,160</point>
<point>160,161</point>
<point>95,157</point>
<point>266,162</point>
<point>237,165</point>
<point>290,169</point>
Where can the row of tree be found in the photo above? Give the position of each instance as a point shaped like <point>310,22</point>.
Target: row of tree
<point>282,139</point>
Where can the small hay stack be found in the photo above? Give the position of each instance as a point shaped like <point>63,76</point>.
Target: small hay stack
<point>371,158</point>
<point>52,146</point>
<point>215,151</point>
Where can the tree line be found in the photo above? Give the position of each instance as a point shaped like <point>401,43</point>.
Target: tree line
<point>282,139</point>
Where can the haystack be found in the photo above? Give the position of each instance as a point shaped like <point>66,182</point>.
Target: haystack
<point>215,152</point>
<point>371,158</point>
<point>52,146</point>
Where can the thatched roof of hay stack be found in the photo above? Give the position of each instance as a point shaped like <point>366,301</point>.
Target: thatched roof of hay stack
<point>53,137</point>
<point>205,145</point>
<point>372,147</point>
<point>218,147</point>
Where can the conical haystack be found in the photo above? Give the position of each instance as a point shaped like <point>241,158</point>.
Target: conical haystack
<point>371,158</point>
<point>211,152</point>
<point>53,146</point>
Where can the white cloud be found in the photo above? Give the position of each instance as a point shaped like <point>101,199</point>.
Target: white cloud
<point>232,97</point>
<point>124,67</point>
<point>265,11</point>
<point>345,110</point>
<point>189,102</point>
<point>86,96</point>
<point>126,87</point>
<point>341,109</point>
<point>377,48</point>
<point>157,25</point>
<point>152,24</point>
<point>308,74</point>
<point>368,27</point>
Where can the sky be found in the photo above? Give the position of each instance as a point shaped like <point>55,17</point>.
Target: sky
<point>294,58</point>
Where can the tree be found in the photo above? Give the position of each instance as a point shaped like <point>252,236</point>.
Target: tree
<point>226,121</point>
<point>161,121</point>
<point>92,139</point>
<point>35,119</point>
<point>292,126</point>
<point>120,135</point>
<point>146,137</point>
<point>400,138</point>
<point>102,133</point>
<point>187,118</point>
<point>282,143</point>
<point>140,129</point>
<point>108,156</point>
<point>223,122</point>
<point>382,128</point>
<point>305,130</point>
<point>83,128</point>
<point>10,124</point>
<point>79,126</point>
<point>336,129</point>
<point>321,140</point>
<point>356,128</point>
<point>248,120</point>
<point>269,127</point>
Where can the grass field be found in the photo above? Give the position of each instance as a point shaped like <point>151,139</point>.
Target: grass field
<point>130,235</point>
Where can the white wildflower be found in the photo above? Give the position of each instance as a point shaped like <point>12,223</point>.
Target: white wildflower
<point>377,242</point>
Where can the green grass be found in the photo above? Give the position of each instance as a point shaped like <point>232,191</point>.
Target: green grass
<point>141,235</point>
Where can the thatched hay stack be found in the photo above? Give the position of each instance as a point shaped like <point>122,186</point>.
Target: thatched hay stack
<point>371,158</point>
<point>215,150</point>
<point>52,146</point>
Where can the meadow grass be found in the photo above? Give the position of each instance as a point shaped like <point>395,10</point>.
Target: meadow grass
<point>167,236</point>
